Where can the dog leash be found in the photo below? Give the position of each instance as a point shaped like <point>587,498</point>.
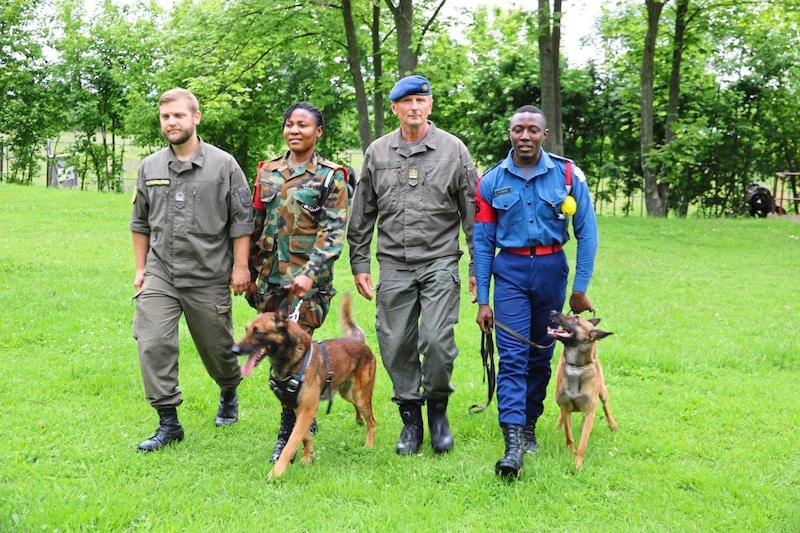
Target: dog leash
<point>490,374</point>
<point>330,376</point>
<point>521,338</point>
<point>294,316</point>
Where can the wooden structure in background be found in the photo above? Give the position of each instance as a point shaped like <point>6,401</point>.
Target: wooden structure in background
<point>780,192</point>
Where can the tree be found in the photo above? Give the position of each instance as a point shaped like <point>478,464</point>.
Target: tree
<point>549,72</point>
<point>26,110</point>
<point>354,64</point>
<point>409,48</point>
<point>656,192</point>
<point>103,58</point>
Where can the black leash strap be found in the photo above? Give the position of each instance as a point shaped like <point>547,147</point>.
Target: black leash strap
<point>330,376</point>
<point>521,338</point>
<point>490,374</point>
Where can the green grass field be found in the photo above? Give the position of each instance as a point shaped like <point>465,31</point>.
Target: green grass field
<point>702,369</point>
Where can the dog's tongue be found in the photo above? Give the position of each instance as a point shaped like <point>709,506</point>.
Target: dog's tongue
<point>558,332</point>
<point>249,365</point>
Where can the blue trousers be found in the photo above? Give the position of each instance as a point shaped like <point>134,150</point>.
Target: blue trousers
<point>526,289</point>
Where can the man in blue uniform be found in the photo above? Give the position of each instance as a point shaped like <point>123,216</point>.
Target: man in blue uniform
<point>523,207</point>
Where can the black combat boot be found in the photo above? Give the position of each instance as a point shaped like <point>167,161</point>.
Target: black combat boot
<point>441,438</point>
<point>288,419</point>
<point>228,412</point>
<point>411,435</point>
<point>529,436</point>
<point>510,465</point>
<point>287,424</point>
<point>169,431</point>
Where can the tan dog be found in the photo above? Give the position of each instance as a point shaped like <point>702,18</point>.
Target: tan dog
<point>579,377</point>
<point>303,371</point>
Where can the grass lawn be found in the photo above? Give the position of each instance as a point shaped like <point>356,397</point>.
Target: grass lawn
<point>702,369</point>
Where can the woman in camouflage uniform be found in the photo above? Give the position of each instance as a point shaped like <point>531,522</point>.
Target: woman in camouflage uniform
<point>300,210</point>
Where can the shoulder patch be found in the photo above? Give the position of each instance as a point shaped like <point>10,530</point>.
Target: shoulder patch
<point>244,197</point>
<point>578,173</point>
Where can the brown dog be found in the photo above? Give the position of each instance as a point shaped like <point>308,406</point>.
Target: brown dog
<point>579,377</point>
<point>303,370</point>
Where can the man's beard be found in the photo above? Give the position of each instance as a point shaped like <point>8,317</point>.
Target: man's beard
<point>184,136</point>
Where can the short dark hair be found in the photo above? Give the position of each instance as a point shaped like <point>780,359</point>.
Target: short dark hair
<point>529,109</point>
<point>314,110</point>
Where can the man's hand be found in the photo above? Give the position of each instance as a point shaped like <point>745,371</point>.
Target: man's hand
<point>240,279</point>
<point>473,288</point>
<point>138,280</point>
<point>485,318</point>
<point>364,285</point>
<point>579,302</point>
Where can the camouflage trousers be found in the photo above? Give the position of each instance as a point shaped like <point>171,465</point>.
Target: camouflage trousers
<point>313,309</point>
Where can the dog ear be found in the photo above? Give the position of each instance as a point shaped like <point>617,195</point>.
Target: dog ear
<point>282,312</point>
<point>600,334</point>
<point>594,321</point>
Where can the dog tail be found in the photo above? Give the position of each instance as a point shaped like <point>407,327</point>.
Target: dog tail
<point>346,322</point>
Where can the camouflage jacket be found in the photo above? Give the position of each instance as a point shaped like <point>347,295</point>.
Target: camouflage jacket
<point>300,221</point>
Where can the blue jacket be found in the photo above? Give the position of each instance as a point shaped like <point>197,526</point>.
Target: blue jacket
<point>514,212</point>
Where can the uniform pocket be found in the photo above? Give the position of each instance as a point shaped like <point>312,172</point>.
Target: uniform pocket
<point>302,245</point>
<point>224,308</point>
<point>550,205</point>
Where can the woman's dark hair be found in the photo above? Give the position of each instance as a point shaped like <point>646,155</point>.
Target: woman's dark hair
<point>306,107</point>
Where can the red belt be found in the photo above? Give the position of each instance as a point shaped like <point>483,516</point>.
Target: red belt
<point>544,249</point>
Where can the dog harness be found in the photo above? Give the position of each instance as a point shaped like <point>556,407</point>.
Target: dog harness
<point>288,389</point>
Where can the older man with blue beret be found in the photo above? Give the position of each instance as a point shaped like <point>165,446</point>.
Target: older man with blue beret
<point>418,184</point>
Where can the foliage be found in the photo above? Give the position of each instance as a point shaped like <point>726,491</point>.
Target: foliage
<point>693,377</point>
<point>25,102</point>
<point>103,61</point>
<point>248,60</point>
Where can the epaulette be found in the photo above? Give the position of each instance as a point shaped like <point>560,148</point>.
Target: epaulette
<point>492,167</point>
<point>328,163</point>
<point>328,183</point>
<point>568,164</point>
<point>273,164</point>
<point>560,158</point>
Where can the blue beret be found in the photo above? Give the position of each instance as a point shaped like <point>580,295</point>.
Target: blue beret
<point>415,84</point>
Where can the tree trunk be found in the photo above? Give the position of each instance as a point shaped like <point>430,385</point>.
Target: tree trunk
<point>354,63</point>
<point>655,193</point>
<point>403,14</point>
<point>377,69</point>
<point>673,111</point>
<point>681,10</point>
<point>549,78</point>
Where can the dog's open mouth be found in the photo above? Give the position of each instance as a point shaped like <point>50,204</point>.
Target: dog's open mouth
<point>560,333</point>
<point>252,361</point>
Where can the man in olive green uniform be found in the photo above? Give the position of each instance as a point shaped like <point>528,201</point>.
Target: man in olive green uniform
<point>418,184</point>
<point>191,225</point>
